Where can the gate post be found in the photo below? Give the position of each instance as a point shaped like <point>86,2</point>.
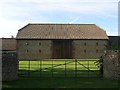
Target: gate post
<point>111,68</point>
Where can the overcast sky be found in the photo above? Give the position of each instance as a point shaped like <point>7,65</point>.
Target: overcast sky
<point>15,14</point>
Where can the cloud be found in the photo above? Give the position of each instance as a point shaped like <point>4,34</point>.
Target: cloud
<point>112,33</point>
<point>25,8</point>
<point>71,1</point>
<point>8,28</point>
<point>14,14</point>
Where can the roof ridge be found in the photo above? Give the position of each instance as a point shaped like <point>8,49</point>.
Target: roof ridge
<point>57,24</point>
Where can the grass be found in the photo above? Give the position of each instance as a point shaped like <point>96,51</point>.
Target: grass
<point>76,75</point>
<point>59,68</point>
<point>61,83</point>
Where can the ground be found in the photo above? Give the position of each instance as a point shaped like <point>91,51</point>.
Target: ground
<point>31,75</point>
<point>61,83</point>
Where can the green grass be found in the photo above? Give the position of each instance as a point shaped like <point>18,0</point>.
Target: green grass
<point>61,83</point>
<point>56,77</point>
<point>80,68</point>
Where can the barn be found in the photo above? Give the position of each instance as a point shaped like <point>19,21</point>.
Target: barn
<point>60,41</point>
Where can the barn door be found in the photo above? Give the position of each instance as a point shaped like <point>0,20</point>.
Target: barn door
<point>62,49</point>
<point>57,51</point>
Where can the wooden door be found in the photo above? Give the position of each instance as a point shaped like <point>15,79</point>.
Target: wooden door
<point>62,49</point>
<point>57,52</point>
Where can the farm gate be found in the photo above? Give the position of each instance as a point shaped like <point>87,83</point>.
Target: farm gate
<point>60,68</point>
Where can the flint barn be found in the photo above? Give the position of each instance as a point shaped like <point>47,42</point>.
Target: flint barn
<point>61,41</point>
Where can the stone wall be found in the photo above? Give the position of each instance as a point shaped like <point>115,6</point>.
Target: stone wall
<point>9,66</point>
<point>111,67</point>
<point>89,49</point>
<point>34,49</point>
<point>42,49</point>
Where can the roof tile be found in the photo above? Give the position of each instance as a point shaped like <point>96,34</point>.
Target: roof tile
<point>61,31</point>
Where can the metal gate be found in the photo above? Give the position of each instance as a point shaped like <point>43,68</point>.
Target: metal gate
<point>60,68</point>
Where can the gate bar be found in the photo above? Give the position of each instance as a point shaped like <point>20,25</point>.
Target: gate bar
<point>52,68</point>
<point>65,68</point>
<point>29,68</point>
<point>88,69</point>
<point>75,67</point>
<point>40,67</point>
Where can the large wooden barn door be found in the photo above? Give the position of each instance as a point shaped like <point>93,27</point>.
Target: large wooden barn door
<point>57,51</point>
<point>62,49</point>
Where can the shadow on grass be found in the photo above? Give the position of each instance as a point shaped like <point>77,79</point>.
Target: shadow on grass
<point>60,78</point>
<point>55,79</point>
<point>59,72</point>
<point>61,83</point>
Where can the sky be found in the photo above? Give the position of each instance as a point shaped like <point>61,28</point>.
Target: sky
<point>15,14</point>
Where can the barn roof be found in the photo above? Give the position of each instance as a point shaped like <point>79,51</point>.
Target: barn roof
<point>61,31</point>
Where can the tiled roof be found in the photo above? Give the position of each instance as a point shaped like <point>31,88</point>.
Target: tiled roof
<point>8,44</point>
<point>61,31</point>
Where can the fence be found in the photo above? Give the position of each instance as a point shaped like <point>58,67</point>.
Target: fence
<point>59,68</point>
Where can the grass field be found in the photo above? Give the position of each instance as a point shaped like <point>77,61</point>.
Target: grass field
<point>54,73</point>
<point>61,83</point>
<point>59,68</point>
